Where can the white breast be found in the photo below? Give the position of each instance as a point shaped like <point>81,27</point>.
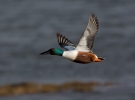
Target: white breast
<point>71,55</point>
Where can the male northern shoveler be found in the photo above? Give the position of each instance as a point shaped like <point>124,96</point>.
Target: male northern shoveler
<point>82,53</point>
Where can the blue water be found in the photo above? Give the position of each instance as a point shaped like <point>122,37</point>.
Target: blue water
<point>28,28</point>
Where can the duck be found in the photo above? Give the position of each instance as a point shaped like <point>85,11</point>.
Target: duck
<point>82,52</point>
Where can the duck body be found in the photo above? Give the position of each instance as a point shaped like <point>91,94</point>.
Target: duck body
<point>80,57</point>
<point>81,53</point>
<point>75,56</point>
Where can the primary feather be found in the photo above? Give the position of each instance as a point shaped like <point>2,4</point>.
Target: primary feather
<point>87,39</point>
<point>64,42</point>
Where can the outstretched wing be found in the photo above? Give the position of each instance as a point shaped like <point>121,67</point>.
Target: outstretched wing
<point>64,42</point>
<point>87,39</point>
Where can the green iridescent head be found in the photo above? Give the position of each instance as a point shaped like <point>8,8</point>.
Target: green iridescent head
<point>55,51</point>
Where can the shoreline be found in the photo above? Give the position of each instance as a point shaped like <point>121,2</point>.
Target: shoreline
<point>33,88</point>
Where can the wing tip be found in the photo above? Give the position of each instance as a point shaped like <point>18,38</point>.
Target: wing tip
<point>58,34</point>
<point>63,40</point>
<point>94,20</point>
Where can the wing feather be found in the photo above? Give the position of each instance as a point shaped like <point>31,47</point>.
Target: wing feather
<point>87,39</point>
<point>64,42</point>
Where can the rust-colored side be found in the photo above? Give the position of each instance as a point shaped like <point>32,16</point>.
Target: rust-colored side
<point>84,57</point>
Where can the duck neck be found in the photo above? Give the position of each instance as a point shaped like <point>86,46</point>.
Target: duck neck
<point>56,51</point>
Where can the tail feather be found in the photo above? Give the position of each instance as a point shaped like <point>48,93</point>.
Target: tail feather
<point>101,58</point>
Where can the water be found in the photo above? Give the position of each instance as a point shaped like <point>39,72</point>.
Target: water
<point>27,28</point>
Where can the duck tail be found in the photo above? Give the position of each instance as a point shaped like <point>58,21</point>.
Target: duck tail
<point>101,58</point>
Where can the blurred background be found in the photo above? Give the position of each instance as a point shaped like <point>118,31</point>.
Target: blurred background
<point>29,27</point>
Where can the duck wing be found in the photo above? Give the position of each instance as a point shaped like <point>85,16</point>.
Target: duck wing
<point>87,39</point>
<point>64,42</point>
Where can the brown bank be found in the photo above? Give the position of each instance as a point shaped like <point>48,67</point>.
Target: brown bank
<point>31,88</point>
